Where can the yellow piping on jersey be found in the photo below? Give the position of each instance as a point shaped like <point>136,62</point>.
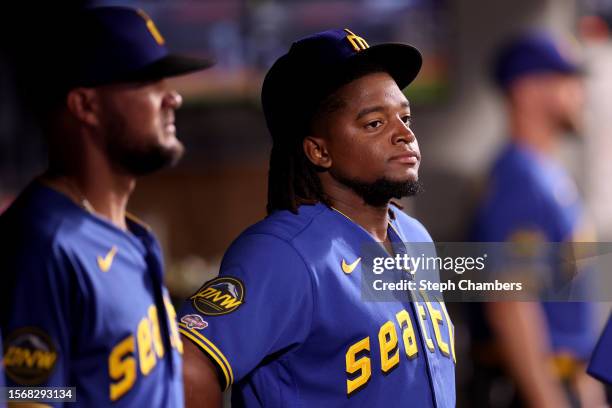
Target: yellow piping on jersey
<point>212,350</point>
<point>137,220</point>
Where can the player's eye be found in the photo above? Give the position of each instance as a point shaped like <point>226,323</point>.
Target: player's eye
<point>407,120</point>
<point>374,124</point>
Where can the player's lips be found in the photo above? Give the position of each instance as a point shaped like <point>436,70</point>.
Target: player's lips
<point>408,157</point>
<point>170,128</point>
<point>168,120</point>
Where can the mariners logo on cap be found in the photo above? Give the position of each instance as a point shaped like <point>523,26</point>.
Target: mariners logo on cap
<point>358,43</point>
<point>219,296</point>
<point>152,27</point>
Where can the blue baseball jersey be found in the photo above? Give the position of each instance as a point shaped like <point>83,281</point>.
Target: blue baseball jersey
<point>85,307</point>
<point>531,197</point>
<point>286,324</point>
<point>600,366</point>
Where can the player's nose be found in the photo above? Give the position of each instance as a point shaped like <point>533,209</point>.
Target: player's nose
<point>173,99</point>
<point>402,133</point>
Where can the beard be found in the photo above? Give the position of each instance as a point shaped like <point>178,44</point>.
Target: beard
<point>141,160</point>
<point>137,158</point>
<point>379,192</point>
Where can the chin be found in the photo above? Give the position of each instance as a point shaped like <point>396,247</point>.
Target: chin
<point>411,177</point>
<point>175,152</point>
<point>172,144</point>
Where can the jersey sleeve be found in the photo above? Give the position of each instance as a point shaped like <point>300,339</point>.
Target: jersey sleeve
<point>600,365</point>
<point>36,325</point>
<point>523,214</point>
<point>260,305</point>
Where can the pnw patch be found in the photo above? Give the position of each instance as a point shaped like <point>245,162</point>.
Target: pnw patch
<point>29,356</point>
<point>219,296</point>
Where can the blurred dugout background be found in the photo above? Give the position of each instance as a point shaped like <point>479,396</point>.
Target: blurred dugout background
<point>219,188</point>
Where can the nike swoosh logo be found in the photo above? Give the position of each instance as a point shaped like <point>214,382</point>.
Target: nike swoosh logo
<point>106,262</point>
<point>348,268</point>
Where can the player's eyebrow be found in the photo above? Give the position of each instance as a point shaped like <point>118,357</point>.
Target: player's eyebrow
<point>368,110</point>
<point>405,105</point>
<point>378,108</point>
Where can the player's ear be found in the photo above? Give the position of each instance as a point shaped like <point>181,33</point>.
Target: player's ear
<point>83,104</point>
<point>316,151</point>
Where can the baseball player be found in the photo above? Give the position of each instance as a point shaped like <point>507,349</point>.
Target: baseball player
<point>284,321</point>
<point>83,298</point>
<point>532,199</point>
<point>600,365</point>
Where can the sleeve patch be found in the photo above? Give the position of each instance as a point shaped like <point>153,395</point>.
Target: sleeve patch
<point>194,321</point>
<point>29,356</point>
<point>219,296</point>
<point>527,236</point>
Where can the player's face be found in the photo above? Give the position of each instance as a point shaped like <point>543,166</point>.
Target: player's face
<point>369,138</point>
<point>138,122</point>
<point>568,101</point>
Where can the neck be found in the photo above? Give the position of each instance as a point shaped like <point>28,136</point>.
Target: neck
<point>373,219</point>
<point>534,131</point>
<point>94,181</point>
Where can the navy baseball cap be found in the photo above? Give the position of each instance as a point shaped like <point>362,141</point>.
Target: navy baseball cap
<point>106,45</point>
<point>315,66</point>
<point>535,53</point>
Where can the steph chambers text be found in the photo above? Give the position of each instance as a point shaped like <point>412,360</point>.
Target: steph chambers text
<point>464,284</point>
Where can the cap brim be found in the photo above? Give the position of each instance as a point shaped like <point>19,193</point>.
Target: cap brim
<point>402,61</point>
<point>169,66</point>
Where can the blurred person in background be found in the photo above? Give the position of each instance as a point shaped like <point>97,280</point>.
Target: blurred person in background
<point>600,365</point>
<point>83,300</point>
<point>531,198</point>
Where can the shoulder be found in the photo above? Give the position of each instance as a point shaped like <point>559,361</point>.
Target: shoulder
<point>39,222</point>
<point>520,176</point>
<point>286,225</point>
<point>518,186</point>
<point>281,228</point>
<point>26,220</point>
<point>527,197</point>
<point>282,242</point>
<point>271,241</point>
